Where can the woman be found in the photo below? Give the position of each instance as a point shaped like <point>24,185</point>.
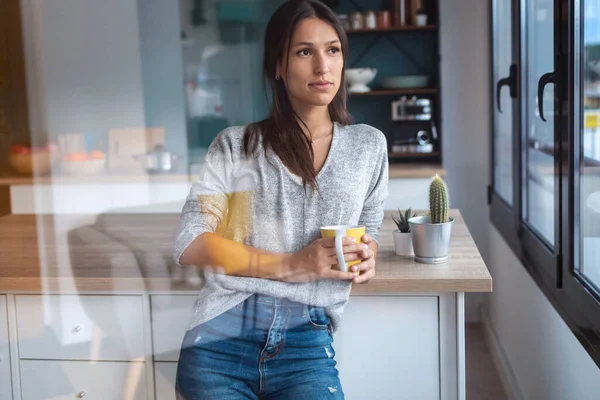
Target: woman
<point>262,326</point>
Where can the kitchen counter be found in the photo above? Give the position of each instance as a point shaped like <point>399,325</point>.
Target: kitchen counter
<point>395,171</point>
<point>110,262</point>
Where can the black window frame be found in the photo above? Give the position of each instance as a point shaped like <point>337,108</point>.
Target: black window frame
<point>553,270</point>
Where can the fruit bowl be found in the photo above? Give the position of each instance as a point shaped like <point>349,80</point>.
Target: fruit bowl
<point>32,161</point>
<point>83,164</point>
<point>358,78</point>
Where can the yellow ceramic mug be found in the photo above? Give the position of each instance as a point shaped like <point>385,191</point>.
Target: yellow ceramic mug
<point>338,232</point>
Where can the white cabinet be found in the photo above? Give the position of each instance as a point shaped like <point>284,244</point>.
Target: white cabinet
<point>88,380</point>
<point>96,198</point>
<point>5,376</point>
<point>164,376</point>
<point>171,315</point>
<point>408,192</point>
<point>80,327</point>
<point>387,347</point>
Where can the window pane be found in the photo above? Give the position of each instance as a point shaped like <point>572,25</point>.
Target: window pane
<point>503,179</point>
<point>538,193</point>
<point>589,199</point>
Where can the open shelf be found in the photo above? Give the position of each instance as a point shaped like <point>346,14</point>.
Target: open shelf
<point>388,92</point>
<point>406,28</point>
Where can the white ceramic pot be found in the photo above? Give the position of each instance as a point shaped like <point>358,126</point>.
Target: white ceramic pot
<point>421,19</point>
<point>358,78</point>
<point>403,243</point>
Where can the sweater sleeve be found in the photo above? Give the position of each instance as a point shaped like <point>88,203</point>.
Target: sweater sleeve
<point>372,211</point>
<point>207,202</point>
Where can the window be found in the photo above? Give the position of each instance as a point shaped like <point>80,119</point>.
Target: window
<point>545,188</point>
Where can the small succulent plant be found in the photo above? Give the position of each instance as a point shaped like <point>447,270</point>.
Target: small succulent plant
<point>438,201</point>
<point>402,220</point>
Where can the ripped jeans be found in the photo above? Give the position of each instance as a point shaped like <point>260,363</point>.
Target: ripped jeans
<point>263,348</point>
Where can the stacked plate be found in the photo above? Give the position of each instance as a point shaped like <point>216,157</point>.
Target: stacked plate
<point>405,81</point>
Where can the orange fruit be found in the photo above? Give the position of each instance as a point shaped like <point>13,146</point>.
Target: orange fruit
<point>79,156</point>
<point>95,155</point>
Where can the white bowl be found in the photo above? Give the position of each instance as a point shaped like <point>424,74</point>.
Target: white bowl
<point>83,167</point>
<point>358,78</point>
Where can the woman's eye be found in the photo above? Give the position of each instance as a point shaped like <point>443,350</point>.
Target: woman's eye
<point>304,52</point>
<point>334,50</point>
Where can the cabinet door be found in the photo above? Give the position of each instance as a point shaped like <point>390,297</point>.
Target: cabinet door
<point>67,380</point>
<point>5,376</point>
<point>63,327</point>
<point>164,376</point>
<point>389,346</point>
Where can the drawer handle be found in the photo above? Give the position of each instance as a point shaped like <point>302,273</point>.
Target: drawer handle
<point>80,395</point>
<point>1,360</point>
<point>77,329</point>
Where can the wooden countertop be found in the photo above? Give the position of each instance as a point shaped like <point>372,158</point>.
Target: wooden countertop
<point>131,253</point>
<point>395,171</point>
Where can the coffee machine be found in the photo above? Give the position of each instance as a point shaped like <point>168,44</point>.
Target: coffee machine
<point>413,127</point>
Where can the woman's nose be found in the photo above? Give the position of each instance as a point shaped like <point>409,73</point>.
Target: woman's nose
<point>321,66</point>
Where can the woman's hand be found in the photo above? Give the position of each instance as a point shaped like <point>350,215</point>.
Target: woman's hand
<point>367,265</point>
<point>315,261</point>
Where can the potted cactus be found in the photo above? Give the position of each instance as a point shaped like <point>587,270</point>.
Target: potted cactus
<point>402,235</point>
<point>431,234</point>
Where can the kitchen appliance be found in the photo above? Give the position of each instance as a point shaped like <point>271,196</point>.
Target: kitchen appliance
<point>158,160</point>
<point>126,142</point>
<point>413,129</point>
<point>413,109</point>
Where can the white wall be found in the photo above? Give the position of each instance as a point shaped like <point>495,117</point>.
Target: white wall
<point>466,118</point>
<point>83,65</point>
<point>547,360</point>
<point>95,65</point>
<point>162,70</point>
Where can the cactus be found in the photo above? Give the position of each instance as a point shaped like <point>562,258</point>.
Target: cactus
<point>402,220</point>
<point>438,201</point>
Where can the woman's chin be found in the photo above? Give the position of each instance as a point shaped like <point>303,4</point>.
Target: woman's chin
<point>319,100</point>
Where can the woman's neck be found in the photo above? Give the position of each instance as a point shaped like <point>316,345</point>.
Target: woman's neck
<point>317,120</point>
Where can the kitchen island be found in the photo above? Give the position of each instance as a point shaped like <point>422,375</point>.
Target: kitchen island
<point>107,293</point>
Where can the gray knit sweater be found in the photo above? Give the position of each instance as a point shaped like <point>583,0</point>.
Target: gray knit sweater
<point>259,202</point>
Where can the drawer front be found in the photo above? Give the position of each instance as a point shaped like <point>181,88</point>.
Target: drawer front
<point>72,327</point>
<point>68,380</point>
<point>5,376</point>
<point>171,316</point>
<point>164,375</point>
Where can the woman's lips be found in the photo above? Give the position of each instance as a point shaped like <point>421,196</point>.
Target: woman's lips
<point>321,86</point>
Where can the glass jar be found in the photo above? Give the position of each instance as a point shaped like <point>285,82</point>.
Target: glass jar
<point>370,20</point>
<point>384,19</point>
<point>344,21</point>
<point>356,21</point>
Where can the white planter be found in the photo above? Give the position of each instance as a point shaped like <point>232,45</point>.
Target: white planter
<point>403,243</point>
<point>421,19</point>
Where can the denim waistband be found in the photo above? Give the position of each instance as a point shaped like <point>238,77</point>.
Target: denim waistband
<point>273,301</point>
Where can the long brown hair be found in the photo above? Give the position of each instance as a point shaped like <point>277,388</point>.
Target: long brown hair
<point>280,130</point>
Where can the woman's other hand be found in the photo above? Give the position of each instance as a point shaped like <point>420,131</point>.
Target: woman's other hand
<point>315,261</point>
<point>367,265</point>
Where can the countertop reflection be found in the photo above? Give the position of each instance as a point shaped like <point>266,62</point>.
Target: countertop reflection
<point>133,253</point>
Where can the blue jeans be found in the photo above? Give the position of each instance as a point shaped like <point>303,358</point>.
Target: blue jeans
<point>263,348</point>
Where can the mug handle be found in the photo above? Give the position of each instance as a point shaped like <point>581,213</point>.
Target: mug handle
<point>339,250</point>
